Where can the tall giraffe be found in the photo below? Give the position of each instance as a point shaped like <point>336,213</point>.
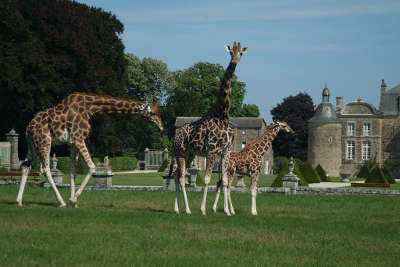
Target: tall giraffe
<point>209,136</point>
<point>249,159</point>
<point>68,122</point>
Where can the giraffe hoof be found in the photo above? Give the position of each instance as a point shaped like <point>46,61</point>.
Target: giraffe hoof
<point>63,206</point>
<point>20,204</point>
<point>73,203</point>
<point>188,212</point>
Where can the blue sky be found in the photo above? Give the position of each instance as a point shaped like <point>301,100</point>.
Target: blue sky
<point>294,46</point>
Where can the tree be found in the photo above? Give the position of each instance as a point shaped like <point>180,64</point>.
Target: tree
<point>49,49</point>
<point>296,111</point>
<point>195,91</point>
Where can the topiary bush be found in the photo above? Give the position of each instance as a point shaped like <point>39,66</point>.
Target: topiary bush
<point>279,164</point>
<point>322,173</point>
<point>278,180</point>
<point>309,173</point>
<point>364,171</point>
<point>388,174</point>
<point>123,163</point>
<point>376,176</point>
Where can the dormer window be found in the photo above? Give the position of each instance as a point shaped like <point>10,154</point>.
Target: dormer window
<point>367,129</point>
<point>351,128</point>
<point>243,144</point>
<point>244,131</point>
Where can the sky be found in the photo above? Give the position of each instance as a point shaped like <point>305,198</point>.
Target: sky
<point>293,46</point>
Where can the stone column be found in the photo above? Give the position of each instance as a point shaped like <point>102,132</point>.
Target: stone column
<point>146,158</point>
<point>290,180</point>
<point>12,137</point>
<point>168,182</point>
<point>240,182</point>
<point>165,155</point>
<point>102,176</point>
<point>56,173</point>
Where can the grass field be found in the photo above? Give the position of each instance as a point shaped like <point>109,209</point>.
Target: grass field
<point>127,228</point>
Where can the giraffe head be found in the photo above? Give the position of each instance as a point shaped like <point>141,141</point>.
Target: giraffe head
<point>283,125</point>
<point>152,112</point>
<point>236,52</point>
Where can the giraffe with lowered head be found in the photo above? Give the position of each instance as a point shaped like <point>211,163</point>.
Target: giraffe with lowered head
<point>249,159</point>
<point>68,122</point>
<point>210,136</point>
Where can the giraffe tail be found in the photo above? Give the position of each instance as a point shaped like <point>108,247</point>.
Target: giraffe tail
<point>30,154</point>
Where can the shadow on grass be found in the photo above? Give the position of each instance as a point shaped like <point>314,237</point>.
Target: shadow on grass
<point>30,203</point>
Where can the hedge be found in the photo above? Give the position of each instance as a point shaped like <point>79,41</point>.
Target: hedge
<point>376,176</point>
<point>364,171</point>
<point>322,174</point>
<point>278,180</point>
<point>309,173</point>
<point>388,174</point>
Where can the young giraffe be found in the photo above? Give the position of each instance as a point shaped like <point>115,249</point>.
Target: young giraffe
<point>250,159</point>
<point>209,136</point>
<point>68,122</point>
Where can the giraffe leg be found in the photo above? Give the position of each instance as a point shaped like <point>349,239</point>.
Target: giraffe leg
<point>85,154</point>
<point>176,207</point>
<point>229,197</point>
<point>73,163</point>
<point>25,172</point>
<point>207,177</point>
<point>224,169</point>
<point>253,190</point>
<point>46,165</point>
<point>182,168</point>
<point>219,185</point>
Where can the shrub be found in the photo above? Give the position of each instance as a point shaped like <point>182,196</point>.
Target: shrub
<point>163,166</point>
<point>364,171</point>
<point>388,174</point>
<point>322,173</point>
<point>309,173</point>
<point>279,164</point>
<point>278,180</point>
<point>376,176</point>
<point>123,163</point>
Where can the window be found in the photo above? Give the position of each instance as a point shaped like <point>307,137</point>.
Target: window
<point>351,128</point>
<point>366,150</point>
<point>367,129</point>
<point>350,150</point>
<point>243,144</point>
<point>244,131</point>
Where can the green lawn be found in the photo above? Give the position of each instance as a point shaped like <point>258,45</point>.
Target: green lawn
<point>127,228</point>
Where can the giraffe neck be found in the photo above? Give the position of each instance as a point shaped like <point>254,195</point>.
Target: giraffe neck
<point>97,104</point>
<point>265,140</point>
<point>222,106</point>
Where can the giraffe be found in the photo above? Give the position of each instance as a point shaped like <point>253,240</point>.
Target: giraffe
<point>68,122</point>
<point>209,136</point>
<point>250,159</point>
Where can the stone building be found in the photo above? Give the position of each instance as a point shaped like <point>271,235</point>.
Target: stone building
<point>344,137</point>
<point>246,130</point>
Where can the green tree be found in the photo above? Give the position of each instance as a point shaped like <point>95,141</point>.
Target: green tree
<point>49,49</point>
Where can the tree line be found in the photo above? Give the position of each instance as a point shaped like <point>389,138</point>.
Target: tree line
<point>51,48</point>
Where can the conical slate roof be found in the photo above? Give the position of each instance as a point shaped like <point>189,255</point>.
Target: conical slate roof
<point>325,113</point>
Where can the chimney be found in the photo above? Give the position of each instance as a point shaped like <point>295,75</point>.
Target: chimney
<point>339,103</point>
<point>383,87</point>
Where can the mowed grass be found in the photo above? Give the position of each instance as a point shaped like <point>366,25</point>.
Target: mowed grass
<point>155,179</point>
<point>128,228</point>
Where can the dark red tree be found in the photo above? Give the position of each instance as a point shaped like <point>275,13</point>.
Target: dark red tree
<point>296,111</point>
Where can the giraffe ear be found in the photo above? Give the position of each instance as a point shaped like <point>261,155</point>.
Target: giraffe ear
<point>244,50</point>
<point>228,48</point>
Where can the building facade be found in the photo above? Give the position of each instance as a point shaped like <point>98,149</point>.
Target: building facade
<point>246,130</point>
<point>343,138</point>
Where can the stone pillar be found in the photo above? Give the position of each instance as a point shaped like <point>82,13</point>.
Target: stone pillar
<point>56,173</point>
<point>12,137</point>
<point>146,158</point>
<point>102,176</point>
<point>290,180</point>
<point>240,182</point>
<point>168,182</point>
<point>165,155</point>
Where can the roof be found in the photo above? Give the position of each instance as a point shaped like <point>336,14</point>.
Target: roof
<point>325,113</point>
<point>358,108</point>
<point>394,90</point>
<point>238,122</point>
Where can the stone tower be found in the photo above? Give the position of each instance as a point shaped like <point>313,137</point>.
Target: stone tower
<point>324,137</point>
